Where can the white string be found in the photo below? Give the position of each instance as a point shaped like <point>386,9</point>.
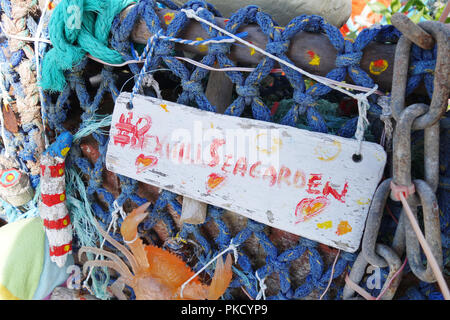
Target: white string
<point>231,247</point>
<point>363,122</point>
<point>331,275</point>
<point>192,14</point>
<point>114,218</point>
<point>262,287</point>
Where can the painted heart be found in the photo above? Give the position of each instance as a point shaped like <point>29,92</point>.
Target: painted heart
<point>310,207</point>
<point>144,162</point>
<point>213,181</point>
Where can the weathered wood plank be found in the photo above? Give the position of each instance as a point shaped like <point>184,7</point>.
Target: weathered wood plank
<point>299,181</point>
<point>218,92</point>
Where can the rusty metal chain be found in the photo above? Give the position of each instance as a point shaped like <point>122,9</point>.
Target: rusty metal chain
<point>419,193</point>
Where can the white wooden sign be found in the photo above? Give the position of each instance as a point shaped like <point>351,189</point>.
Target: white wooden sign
<point>299,181</point>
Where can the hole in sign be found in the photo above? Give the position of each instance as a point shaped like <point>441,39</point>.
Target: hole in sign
<point>357,157</point>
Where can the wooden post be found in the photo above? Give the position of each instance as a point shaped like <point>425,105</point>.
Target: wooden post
<point>218,92</point>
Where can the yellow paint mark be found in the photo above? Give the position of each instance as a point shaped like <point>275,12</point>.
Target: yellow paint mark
<point>328,153</point>
<point>164,106</point>
<point>315,58</point>
<point>379,156</point>
<point>61,171</point>
<point>202,48</point>
<point>168,17</point>
<point>62,197</point>
<point>325,225</point>
<point>275,145</point>
<point>314,118</point>
<point>64,151</point>
<point>343,228</point>
<point>212,125</point>
<point>378,66</point>
<point>252,51</point>
<point>363,202</point>
<point>66,248</point>
<point>279,28</point>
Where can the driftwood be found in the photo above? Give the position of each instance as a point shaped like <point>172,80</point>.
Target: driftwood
<point>302,45</point>
<point>61,293</point>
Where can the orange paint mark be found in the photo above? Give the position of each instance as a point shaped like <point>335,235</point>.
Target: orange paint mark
<point>213,181</point>
<point>144,162</point>
<point>164,106</point>
<point>168,17</point>
<point>325,225</point>
<point>315,58</point>
<point>378,66</point>
<point>51,5</point>
<point>343,228</point>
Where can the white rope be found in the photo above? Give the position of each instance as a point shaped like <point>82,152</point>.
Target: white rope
<point>363,122</point>
<point>37,61</point>
<point>201,65</point>
<point>192,14</point>
<point>231,247</point>
<point>262,287</point>
<point>386,116</point>
<point>363,103</point>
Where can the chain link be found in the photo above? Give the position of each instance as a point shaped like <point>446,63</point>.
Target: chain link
<point>418,193</point>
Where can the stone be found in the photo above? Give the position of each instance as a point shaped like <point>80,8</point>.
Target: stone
<point>336,12</point>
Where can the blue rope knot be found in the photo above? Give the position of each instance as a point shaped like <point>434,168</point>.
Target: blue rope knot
<point>163,48</point>
<point>219,48</point>
<point>277,47</point>
<point>249,92</point>
<point>276,264</point>
<point>303,99</point>
<point>192,87</point>
<point>313,23</point>
<point>348,59</point>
